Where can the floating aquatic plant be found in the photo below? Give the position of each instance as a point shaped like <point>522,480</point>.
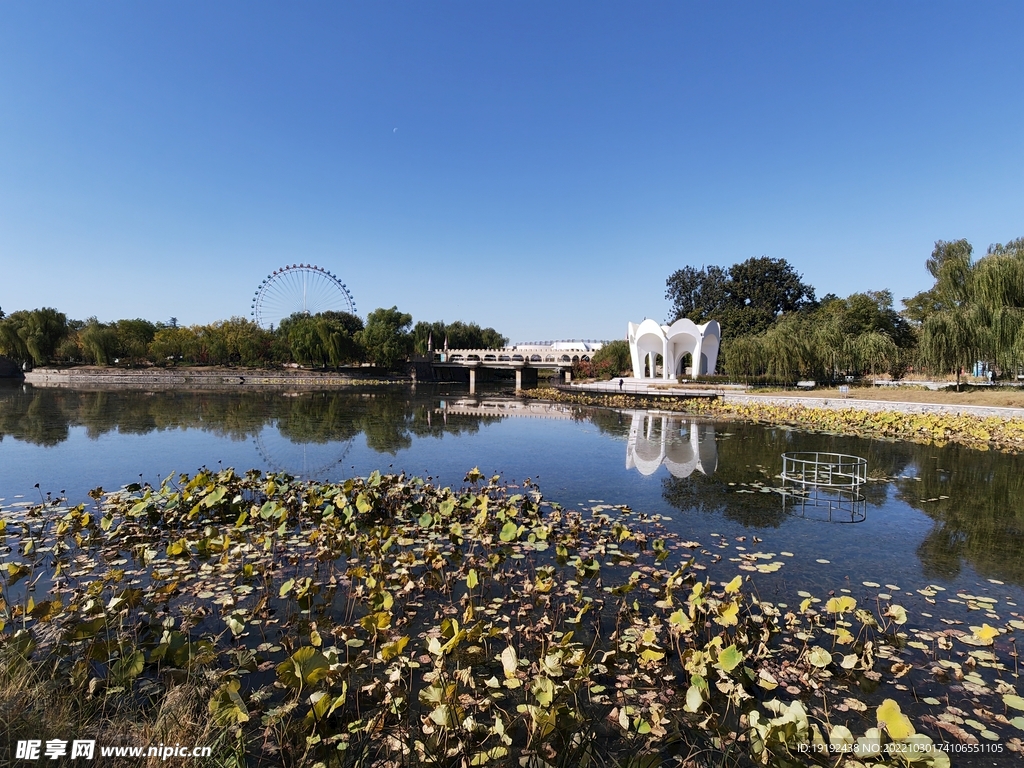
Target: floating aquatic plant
<point>386,620</point>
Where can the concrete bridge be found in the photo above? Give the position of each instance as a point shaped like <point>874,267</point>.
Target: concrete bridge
<point>522,359</point>
<point>506,408</point>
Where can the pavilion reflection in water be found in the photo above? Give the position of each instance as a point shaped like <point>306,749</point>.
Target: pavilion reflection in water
<point>681,444</point>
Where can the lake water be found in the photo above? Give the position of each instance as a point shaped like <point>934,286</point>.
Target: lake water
<point>948,516</point>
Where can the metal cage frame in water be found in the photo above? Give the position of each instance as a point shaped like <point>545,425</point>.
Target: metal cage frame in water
<point>820,482</point>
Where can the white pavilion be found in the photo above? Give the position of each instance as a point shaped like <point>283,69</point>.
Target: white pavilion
<point>674,343</point>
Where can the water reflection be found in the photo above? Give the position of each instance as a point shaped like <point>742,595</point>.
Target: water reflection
<point>976,499</point>
<point>681,444</point>
<point>967,506</point>
<point>388,418</point>
<point>824,486</point>
<point>307,460</point>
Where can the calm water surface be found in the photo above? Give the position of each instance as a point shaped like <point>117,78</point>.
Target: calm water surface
<point>947,516</point>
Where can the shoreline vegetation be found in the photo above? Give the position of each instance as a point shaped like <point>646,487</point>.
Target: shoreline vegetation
<point>982,433</point>
<point>388,621</point>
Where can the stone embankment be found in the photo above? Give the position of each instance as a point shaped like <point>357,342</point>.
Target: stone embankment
<point>980,427</point>
<point>739,394</point>
<point>203,378</point>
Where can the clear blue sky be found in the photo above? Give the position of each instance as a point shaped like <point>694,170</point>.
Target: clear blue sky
<point>538,167</point>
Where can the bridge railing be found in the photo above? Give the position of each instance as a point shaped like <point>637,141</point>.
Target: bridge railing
<point>558,357</point>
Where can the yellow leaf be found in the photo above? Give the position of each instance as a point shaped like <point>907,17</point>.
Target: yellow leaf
<point>985,633</point>
<point>843,636</point>
<point>509,662</point>
<point>693,699</point>
<point>895,722</point>
<point>734,585</point>
<point>727,616</point>
<point>819,657</point>
<point>843,604</point>
<point>766,680</point>
<point>680,621</point>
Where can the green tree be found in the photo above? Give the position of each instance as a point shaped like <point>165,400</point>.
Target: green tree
<point>33,334</point>
<point>747,357</point>
<point>339,334</point>
<point>471,336</point>
<point>491,339</point>
<point>386,337</point>
<point>70,348</point>
<point>460,335</point>
<point>745,299</point>
<point>328,338</point>
<point>761,289</point>
<point>351,324</point>
<point>133,339</point>
<point>699,294</point>
<point>952,259</point>
<point>11,342</point>
<point>245,342</point>
<point>612,359</point>
<point>979,307</point>
<point>99,342</point>
<point>424,334</point>
<point>170,344</point>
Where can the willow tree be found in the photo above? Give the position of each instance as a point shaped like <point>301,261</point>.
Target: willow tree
<point>979,309</point>
<point>33,334</point>
<point>746,357</point>
<point>876,351</point>
<point>99,342</point>
<point>834,347</point>
<point>789,349</point>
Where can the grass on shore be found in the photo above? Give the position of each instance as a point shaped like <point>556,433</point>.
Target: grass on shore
<point>994,397</point>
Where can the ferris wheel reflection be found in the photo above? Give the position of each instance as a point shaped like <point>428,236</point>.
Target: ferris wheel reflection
<point>681,444</point>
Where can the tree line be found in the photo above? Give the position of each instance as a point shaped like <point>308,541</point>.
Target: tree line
<point>328,339</point>
<point>775,329</point>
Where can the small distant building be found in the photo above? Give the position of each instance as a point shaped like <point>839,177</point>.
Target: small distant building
<point>674,343</point>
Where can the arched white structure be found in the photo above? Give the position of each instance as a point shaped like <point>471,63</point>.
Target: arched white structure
<point>673,342</point>
<point>681,445</point>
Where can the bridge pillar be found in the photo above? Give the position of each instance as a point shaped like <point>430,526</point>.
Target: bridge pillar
<point>472,376</point>
<point>518,368</point>
<point>568,375</point>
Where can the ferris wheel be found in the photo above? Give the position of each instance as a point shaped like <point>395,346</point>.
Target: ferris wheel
<point>304,288</point>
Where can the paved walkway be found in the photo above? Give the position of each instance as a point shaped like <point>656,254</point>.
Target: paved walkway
<point>738,394</point>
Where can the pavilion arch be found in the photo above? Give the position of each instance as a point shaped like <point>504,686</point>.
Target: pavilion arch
<point>673,342</point>
<point>681,445</point>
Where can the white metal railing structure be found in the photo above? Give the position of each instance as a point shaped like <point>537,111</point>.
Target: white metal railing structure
<point>816,482</point>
